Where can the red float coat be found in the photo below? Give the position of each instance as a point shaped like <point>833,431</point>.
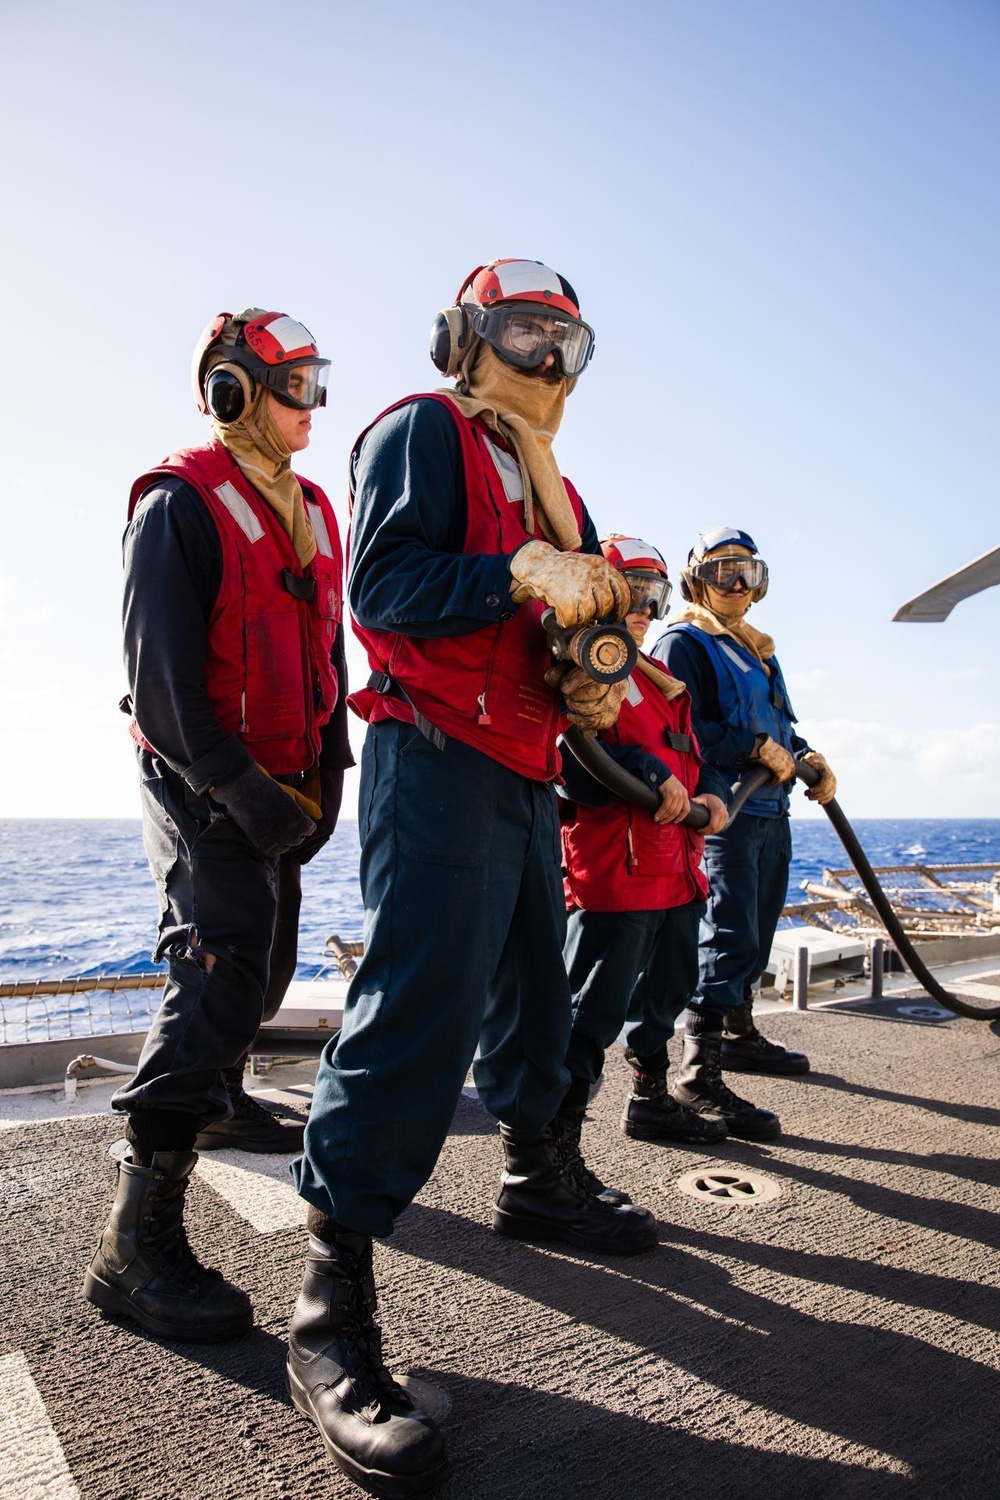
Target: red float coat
<point>268,673</point>
<point>616,858</point>
<point>485,688</point>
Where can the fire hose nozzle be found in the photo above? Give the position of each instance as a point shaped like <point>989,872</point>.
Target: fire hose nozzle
<point>606,652</point>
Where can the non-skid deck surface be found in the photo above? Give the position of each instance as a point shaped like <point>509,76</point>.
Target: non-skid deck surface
<point>841,1341</point>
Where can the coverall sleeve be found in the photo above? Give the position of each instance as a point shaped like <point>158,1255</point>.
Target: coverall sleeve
<point>408,571</point>
<point>173,571</point>
<point>580,786</point>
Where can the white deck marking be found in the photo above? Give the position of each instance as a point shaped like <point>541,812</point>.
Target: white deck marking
<point>32,1462</point>
<point>258,1188</point>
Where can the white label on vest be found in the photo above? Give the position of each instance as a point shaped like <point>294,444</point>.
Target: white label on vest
<point>744,666</point>
<point>634,694</point>
<point>320,532</point>
<point>509,470</point>
<point>240,511</point>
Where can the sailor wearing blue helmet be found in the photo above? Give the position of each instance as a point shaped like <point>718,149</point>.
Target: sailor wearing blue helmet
<point>741,713</point>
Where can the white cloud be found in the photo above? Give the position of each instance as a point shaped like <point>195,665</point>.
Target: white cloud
<point>931,772</point>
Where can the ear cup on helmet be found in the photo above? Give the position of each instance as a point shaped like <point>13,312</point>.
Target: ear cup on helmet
<point>229,392</point>
<point>450,335</point>
<point>686,582</point>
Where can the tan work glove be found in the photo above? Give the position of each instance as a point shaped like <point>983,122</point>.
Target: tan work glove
<point>590,705</point>
<point>311,805</point>
<point>779,761</point>
<point>826,788</point>
<point>578,586</point>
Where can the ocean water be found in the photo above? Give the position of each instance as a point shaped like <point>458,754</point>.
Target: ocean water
<point>76,899</point>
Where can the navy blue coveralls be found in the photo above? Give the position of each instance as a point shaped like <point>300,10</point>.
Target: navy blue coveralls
<point>747,865</point>
<point>631,972</point>
<point>218,896</point>
<point>464,911</point>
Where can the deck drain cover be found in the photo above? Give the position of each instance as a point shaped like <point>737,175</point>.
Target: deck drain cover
<point>724,1186</point>
<point>925,1012</point>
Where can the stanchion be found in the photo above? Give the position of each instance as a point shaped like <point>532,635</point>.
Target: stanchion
<point>800,990</point>
<point>877,965</point>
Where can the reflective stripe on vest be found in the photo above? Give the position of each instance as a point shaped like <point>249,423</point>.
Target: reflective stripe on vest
<point>751,699</point>
<point>268,673</point>
<point>485,688</point>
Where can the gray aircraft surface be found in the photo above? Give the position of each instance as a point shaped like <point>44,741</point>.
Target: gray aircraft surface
<point>937,602</point>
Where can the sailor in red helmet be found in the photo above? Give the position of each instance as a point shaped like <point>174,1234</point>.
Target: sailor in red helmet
<point>235,658</point>
<point>463,530</point>
<point>634,885</point>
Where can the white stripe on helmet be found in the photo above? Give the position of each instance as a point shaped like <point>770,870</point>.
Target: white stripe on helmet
<point>289,334</point>
<point>633,549</point>
<point>521,276</point>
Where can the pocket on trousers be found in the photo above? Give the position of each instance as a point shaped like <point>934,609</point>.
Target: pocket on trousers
<point>444,803</point>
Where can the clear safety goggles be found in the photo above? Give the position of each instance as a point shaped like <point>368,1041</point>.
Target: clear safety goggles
<point>523,337</point>
<point>302,386</point>
<point>649,591</point>
<point>724,573</point>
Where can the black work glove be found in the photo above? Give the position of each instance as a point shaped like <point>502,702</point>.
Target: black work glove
<point>331,787</point>
<point>263,811</point>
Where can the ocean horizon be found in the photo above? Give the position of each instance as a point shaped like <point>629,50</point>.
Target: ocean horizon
<point>77,899</point>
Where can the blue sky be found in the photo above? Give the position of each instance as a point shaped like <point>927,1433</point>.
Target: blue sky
<point>782,220</point>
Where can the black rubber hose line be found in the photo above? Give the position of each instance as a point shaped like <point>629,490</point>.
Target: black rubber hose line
<point>888,917</point>
<point>610,774</point>
<point>594,758</point>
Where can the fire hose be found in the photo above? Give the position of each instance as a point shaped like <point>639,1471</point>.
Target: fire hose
<point>888,917</point>
<point>611,775</point>
<point>595,759</point>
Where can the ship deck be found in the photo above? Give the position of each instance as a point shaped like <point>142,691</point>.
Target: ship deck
<point>840,1339</point>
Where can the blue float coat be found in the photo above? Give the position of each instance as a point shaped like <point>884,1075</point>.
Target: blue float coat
<point>747,865</point>
<point>726,746</point>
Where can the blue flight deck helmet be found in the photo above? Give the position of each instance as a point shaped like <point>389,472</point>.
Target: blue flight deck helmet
<point>712,561</point>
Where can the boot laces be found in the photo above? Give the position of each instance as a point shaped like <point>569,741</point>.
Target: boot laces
<point>166,1238</point>
<point>566,1136</point>
<point>721,1092</point>
<point>246,1107</point>
<point>754,1036</point>
<point>361,1341</point>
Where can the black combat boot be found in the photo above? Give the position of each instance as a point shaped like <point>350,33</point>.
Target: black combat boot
<point>744,1050</point>
<point>653,1114</point>
<point>567,1128</point>
<point>699,1085</point>
<point>544,1197</point>
<point>369,1426</point>
<point>251,1126</point>
<point>144,1268</point>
